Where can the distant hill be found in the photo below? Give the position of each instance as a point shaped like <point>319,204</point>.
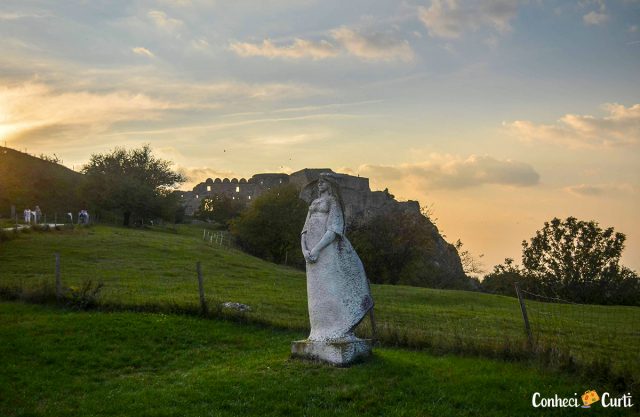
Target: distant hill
<point>27,181</point>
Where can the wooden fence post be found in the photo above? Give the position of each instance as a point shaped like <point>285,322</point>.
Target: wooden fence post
<point>523,309</point>
<point>203,302</point>
<point>58,280</point>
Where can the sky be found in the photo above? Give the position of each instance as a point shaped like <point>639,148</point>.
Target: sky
<point>497,115</point>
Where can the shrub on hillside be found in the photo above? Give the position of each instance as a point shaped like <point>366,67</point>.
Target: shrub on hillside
<point>574,260</point>
<point>503,278</point>
<point>83,297</point>
<point>219,208</point>
<point>6,235</point>
<point>397,247</point>
<point>270,227</point>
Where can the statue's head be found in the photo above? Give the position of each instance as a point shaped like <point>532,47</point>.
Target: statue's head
<point>327,181</point>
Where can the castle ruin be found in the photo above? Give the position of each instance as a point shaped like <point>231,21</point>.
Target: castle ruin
<point>360,203</point>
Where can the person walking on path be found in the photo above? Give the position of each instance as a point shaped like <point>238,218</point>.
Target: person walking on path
<point>38,214</point>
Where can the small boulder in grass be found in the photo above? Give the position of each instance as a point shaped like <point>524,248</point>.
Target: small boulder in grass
<point>236,306</point>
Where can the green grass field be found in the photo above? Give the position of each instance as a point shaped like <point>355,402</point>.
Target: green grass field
<point>62,363</point>
<point>142,267</point>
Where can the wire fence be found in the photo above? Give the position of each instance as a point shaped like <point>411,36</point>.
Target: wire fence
<point>591,333</point>
<point>159,274</point>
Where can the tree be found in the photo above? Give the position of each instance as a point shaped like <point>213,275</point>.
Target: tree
<point>503,278</point>
<point>397,247</point>
<point>470,263</point>
<point>220,208</point>
<point>392,247</point>
<point>270,227</point>
<point>133,183</point>
<point>574,258</point>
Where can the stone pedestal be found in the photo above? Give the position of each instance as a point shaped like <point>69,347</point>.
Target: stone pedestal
<point>337,352</point>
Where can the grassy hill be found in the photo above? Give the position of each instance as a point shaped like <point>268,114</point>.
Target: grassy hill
<point>62,363</point>
<point>155,270</point>
<point>27,181</point>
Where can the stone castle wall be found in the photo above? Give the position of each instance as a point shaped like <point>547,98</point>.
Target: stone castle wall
<point>360,203</point>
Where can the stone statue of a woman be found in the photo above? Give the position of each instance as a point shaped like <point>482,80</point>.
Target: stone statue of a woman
<point>337,288</point>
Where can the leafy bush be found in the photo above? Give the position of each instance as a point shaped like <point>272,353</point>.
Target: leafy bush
<point>270,227</point>
<point>574,260</point>
<point>503,278</point>
<point>83,297</point>
<point>397,247</point>
<point>6,235</point>
<point>220,208</point>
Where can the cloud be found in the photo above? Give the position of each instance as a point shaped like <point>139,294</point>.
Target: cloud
<point>595,190</point>
<point>248,122</point>
<point>453,18</point>
<point>287,140</point>
<point>37,113</point>
<point>16,16</point>
<point>299,49</point>
<point>162,21</point>
<point>142,51</point>
<point>373,47</point>
<point>200,44</point>
<point>621,126</point>
<point>34,111</point>
<point>453,172</point>
<point>596,17</point>
<point>178,3</point>
<point>234,91</point>
<point>223,93</point>
<point>378,46</point>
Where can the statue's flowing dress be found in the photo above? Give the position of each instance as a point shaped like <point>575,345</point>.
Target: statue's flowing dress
<point>337,287</point>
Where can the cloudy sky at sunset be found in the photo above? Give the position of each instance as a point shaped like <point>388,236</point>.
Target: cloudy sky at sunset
<point>499,114</point>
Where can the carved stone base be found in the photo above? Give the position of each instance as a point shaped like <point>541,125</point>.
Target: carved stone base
<point>337,352</point>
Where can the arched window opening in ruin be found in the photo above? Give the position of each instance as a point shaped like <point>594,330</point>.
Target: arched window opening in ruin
<point>280,181</point>
<point>237,189</point>
<point>249,197</point>
<point>197,196</point>
<point>208,188</point>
